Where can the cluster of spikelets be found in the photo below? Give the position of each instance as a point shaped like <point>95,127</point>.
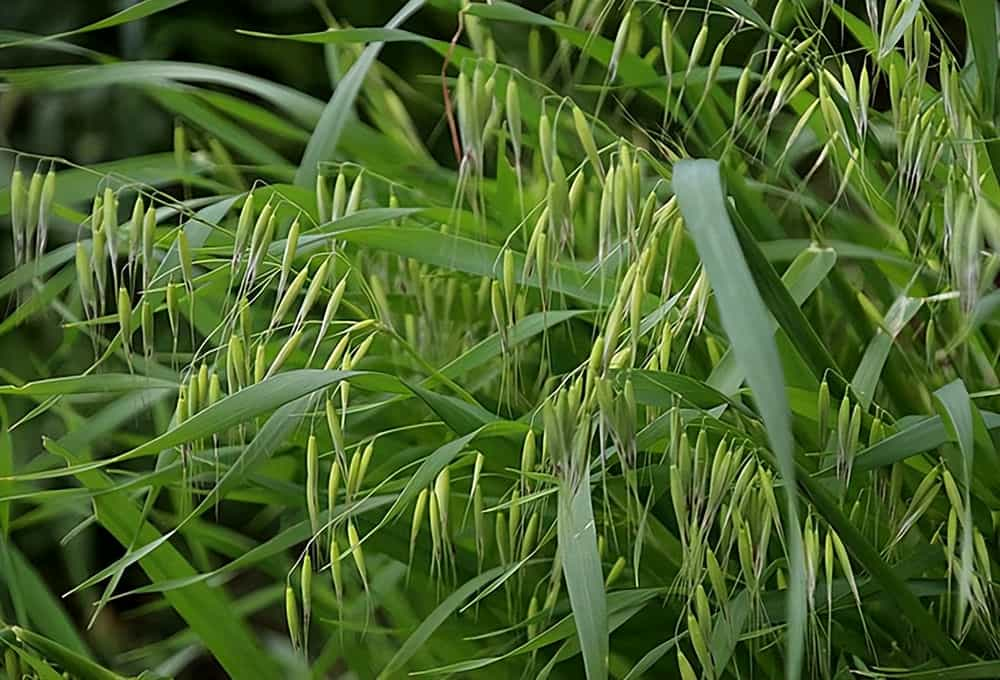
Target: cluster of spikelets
<point>611,422</point>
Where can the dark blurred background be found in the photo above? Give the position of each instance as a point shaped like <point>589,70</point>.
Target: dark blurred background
<point>87,126</point>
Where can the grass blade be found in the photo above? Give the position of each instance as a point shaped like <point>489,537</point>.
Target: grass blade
<point>698,186</point>
<point>326,135</point>
<point>577,535</point>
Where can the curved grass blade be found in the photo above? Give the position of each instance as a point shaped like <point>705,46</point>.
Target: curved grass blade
<point>434,620</point>
<point>323,143</point>
<point>272,435</point>
<point>304,108</point>
<point>70,660</point>
<point>139,10</point>
<point>100,383</point>
<point>231,411</point>
<point>877,353</point>
<point>958,413</point>
<point>349,36</point>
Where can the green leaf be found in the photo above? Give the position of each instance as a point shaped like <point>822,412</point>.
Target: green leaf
<point>37,268</point>
<point>899,28</point>
<point>970,671</point>
<point>462,417</point>
<point>70,660</point>
<point>433,621</point>
<point>232,410</point>
<point>270,549</point>
<point>6,469</point>
<point>139,10</point>
<point>45,611</point>
<point>651,658</point>
<point>433,464</point>
<point>481,259</point>
<point>658,388</point>
<point>92,383</point>
<point>42,298</point>
<point>957,412</point>
<point>925,434</point>
<point>806,272</point>
<point>350,36</point>
<point>729,627</point>
<point>773,293</point>
<point>631,69</point>
<point>274,434</point>
<point>621,604</point>
<point>304,108</point>
<point>245,143</point>
<point>313,239</point>
<point>981,25</point>
<point>206,610</point>
<point>743,9</point>
<point>44,670</point>
<point>698,186</point>
<point>80,185</point>
<point>323,143</point>
<point>867,374</point>
<point>523,330</point>
<point>577,535</point>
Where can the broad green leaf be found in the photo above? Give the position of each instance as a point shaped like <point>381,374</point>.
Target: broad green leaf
<point>806,272</point>
<point>584,580</point>
<point>698,186</point>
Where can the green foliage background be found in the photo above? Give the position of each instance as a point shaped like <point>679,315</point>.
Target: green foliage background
<point>639,339</point>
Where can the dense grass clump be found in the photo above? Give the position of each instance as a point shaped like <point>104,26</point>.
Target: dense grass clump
<point>674,356</point>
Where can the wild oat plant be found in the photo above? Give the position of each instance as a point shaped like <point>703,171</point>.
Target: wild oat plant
<point>681,367</point>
